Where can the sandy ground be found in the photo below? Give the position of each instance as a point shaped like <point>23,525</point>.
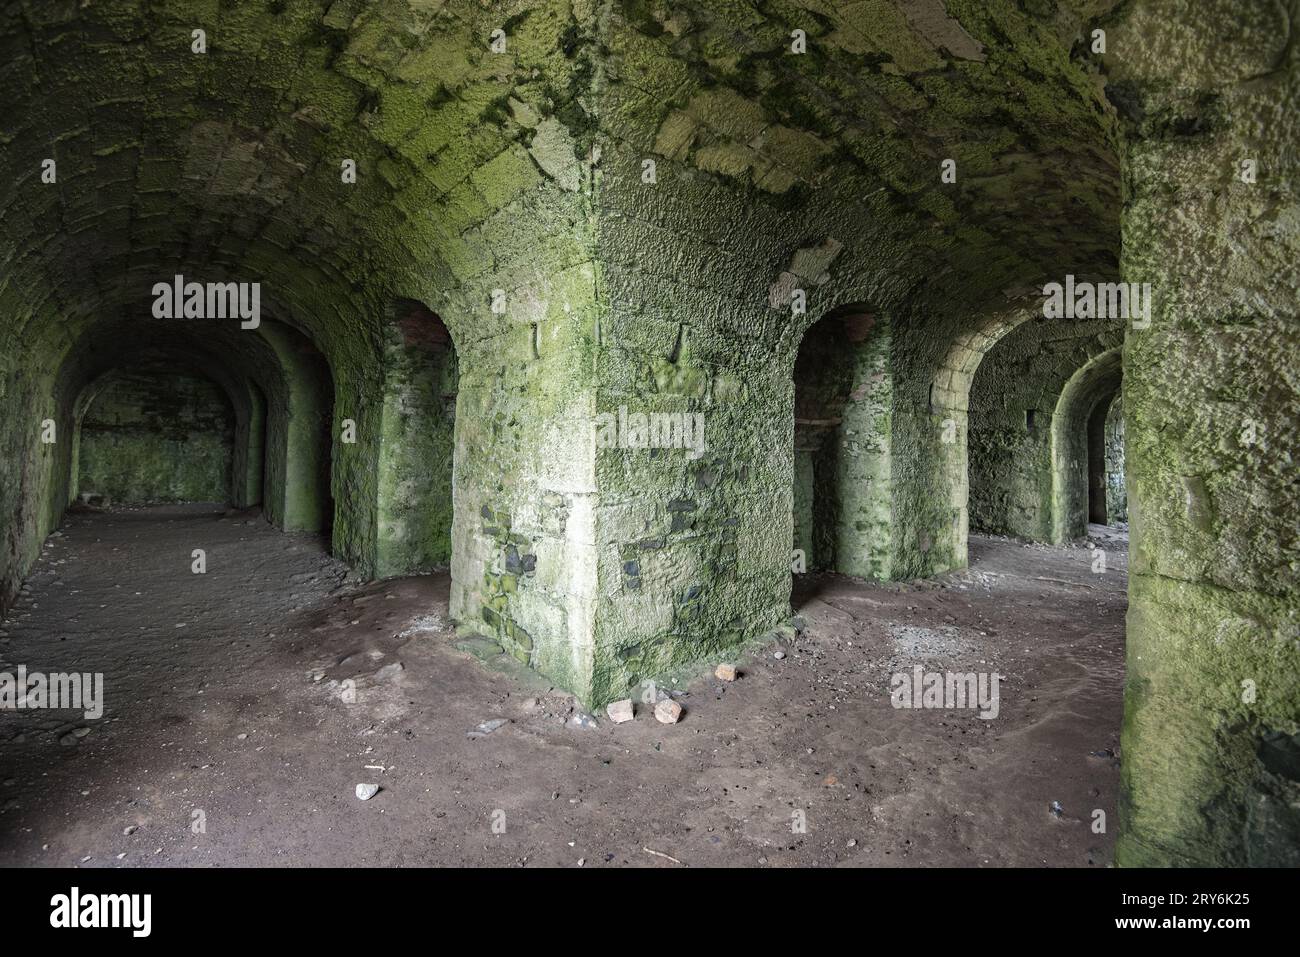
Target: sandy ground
<point>244,705</point>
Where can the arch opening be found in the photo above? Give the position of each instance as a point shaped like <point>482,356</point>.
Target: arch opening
<point>417,443</point>
<point>155,435</point>
<point>277,387</point>
<point>1107,496</point>
<point>1023,463</point>
<point>950,415</point>
<point>1079,476</point>
<point>842,421</point>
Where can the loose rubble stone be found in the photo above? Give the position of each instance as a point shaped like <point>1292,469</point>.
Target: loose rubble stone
<point>668,712</point>
<point>620,711</point>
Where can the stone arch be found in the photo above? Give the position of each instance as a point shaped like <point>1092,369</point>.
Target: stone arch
<point>1010,470</point>
<point>949,410</point>
<point>842,420</point>
<point>148,434</point>
<point>234,389</point>
<point>417,442</point>
<point>236,379</point>
<point>279,386</point>
<point>1113,455</point>
<point>108,351</point>
<point>304,438</point>
<point>1073,426</point>
<point>1100,481</point>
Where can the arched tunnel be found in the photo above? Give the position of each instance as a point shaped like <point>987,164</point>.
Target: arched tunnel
<point>433,397</point>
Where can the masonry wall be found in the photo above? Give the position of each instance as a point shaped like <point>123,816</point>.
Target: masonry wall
<point>520,294</point>
<point>522,563</point>
<point>158,438</point>
<point>1212,419</point>
<point>26,464</point>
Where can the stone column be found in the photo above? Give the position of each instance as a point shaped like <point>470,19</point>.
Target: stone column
<point>1211,750</point>
<point>523,548</point>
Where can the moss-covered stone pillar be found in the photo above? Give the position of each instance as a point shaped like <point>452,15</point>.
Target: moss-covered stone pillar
<point>693,527</point>
<point>523,486</point>
<point>1211,738</point>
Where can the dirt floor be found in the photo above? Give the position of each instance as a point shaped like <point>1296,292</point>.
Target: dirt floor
<point>244,705</point>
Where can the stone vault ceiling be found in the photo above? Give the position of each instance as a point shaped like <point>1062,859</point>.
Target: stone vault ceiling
<point>228,162</point>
